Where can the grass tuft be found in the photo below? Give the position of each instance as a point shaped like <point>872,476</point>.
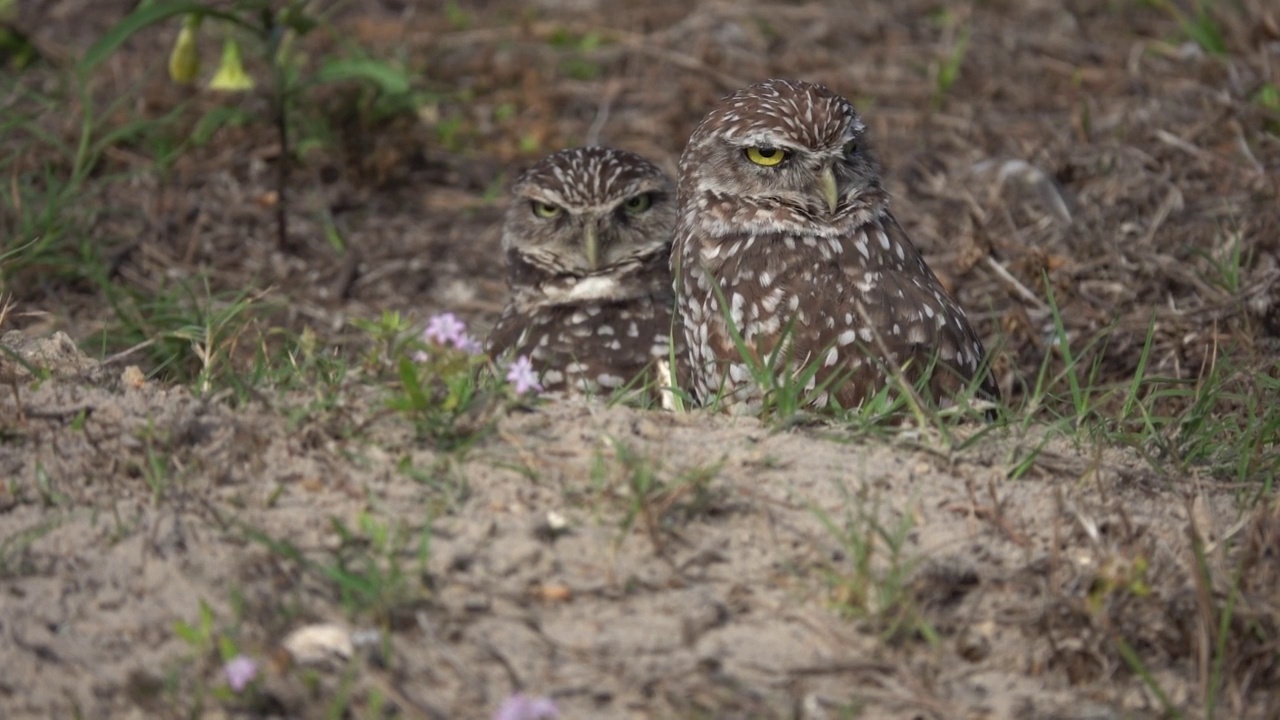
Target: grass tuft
<point>871,580</point>
<point>658,499</point>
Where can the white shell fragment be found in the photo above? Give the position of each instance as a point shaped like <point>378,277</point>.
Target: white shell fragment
<point>556,522</point>
<point>317,644</point>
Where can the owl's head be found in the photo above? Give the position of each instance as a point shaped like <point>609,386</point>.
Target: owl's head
<point>589,211</point>
<point>780,156</point>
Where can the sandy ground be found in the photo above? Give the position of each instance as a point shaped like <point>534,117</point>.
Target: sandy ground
<point>626,563</point>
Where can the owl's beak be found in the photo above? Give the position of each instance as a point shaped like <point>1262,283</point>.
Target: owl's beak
<point>591,245</point>
<point>829,190</point>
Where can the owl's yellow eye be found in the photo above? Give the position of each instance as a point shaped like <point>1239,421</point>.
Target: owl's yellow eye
<point>766,156</point>
<point>638,204</point>
<point>545,210</point>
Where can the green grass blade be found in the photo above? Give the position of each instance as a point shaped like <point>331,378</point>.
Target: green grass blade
<point>387,78</point>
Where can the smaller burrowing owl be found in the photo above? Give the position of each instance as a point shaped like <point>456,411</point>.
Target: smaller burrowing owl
<point>588,238</point>
<point>784,228</point>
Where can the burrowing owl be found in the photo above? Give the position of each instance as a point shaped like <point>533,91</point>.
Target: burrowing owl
<point>588,240</point>
<point>781,208</point>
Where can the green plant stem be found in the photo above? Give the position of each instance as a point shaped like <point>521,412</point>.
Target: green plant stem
<point>281,97</point>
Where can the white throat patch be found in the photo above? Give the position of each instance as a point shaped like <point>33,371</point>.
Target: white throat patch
<point>587,289</point>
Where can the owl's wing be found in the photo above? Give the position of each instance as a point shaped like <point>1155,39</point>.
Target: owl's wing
<point>889,303</point>
<point>834,311</point>
<point>505,334</point>
<point>909,317</point>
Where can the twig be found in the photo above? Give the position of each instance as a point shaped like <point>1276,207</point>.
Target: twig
<point>127,352</point>
<point>1169,138</point>
<point>1023,291</point>
<point>1248,152</point>
<point>602,114</point>
<point>1172,201</point>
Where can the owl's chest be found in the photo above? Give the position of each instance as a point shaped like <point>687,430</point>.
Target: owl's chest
<point>759,283</point>
<point>748,295</point>
<point>756,266</point>
<point>602,344</point>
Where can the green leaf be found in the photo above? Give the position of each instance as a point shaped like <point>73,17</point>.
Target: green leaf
<point>227,648</point>
<point>186,632</point>
<point>388,79</point>
<point>412,385</point>
<point>206,619</point>
<point>16,49</point>
<point>297,19</point>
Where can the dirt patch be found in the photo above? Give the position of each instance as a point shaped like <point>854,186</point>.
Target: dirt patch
<point>625,563</point>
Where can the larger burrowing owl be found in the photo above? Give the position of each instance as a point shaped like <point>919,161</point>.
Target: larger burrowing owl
<point>785,229</point>
<point>588,239</point>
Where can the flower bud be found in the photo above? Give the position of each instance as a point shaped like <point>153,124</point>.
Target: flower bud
<point>184,60</point>
<point>231,75</point>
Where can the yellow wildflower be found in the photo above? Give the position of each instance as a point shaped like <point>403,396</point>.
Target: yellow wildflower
<point>231,75</point>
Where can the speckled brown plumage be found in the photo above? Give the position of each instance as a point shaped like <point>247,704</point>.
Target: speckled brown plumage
<point>587,239</point>
<point>781,208</point>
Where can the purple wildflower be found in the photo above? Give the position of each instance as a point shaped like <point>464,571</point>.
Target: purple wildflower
<point>447,330</point>
<point>522,376</point>
<point>444,329</point>
<point>523,707</point>
<point>467,344</point>
<point>240,671</point>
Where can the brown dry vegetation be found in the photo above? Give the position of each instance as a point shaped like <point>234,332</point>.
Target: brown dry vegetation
<point>1100,191</point>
